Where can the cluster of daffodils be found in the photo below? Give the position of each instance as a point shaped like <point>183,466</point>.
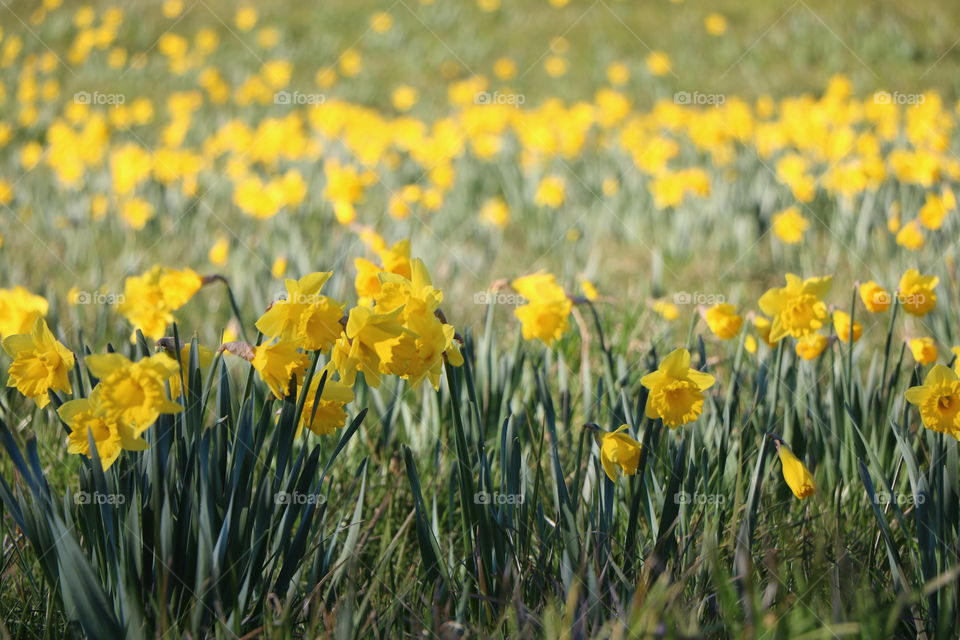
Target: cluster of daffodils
<point>397,329</point>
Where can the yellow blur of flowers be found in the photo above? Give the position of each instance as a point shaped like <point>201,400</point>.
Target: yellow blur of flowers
<point>149,300</point>
<point>916,292</point>
<point>19,309</point>
<point>545,316</point>
<point>723,320</point>
<point>924,350</point>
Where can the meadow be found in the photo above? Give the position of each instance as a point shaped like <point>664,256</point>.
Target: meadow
<point>463,318</point>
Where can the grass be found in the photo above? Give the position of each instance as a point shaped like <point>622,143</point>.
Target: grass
<point>482,508</point>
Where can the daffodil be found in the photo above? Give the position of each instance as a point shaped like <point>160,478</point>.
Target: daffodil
<point>916,292</point>
<point>795,473</point>
<point>723,320</point>
<point>88,420</point>
<point>40,363</point>
<point>619,453</point>
<point>810,346</point>
<point>875,298</point>
<point>304,315</point>
<point>846,330</point>
<point>545,317</point>
<point>278,363</point>
<point>133,392</point>
<point>150,299</point>
<point>789,225</point>
<point>18,310</point>
<point>798,308</point>
<point>324,415</point>
<point>938,400</point>
<point>924,350</point>
<point>367,337</point>
<point>675,390</point>
<point>418,351</point>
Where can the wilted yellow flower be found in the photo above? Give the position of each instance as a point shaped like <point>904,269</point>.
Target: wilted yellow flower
<point>133,393</point>
<point>924,350</point>
<point>619,453</point>
<point>843,327</point>
<point>676,390</point>
<point>810,346</point>
<point>916,292</point>
<point>546,314</point>
<point>40,363</point>
<point>789,225</point>
<point>19,309</point>
<point>723,320</point>
<point>88,420</point>
<point>797,309</point>
<point>551,192</point>
<point>875,298</point>
<point>796,475</point>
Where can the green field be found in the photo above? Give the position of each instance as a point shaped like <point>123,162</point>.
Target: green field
<point>658,167</point>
